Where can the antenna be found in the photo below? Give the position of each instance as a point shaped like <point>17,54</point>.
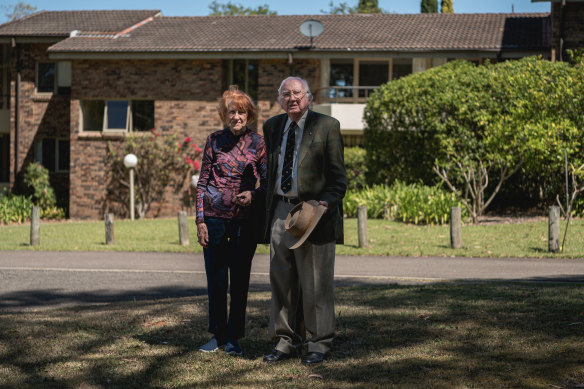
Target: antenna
<point>311,28</point>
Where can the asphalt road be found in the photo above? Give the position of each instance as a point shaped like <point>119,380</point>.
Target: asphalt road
<point>38,280</point>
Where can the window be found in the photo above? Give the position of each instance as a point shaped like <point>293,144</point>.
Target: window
<point>143,115</point>
<point>400,68</point>
<point>341,76</point>
<point>117,115</point>
<point>372,73</point>
<point>244,74</point>
<point>356,77</point>
<point>46,77</point>
<point>53,77</point>
<point>92,112</point>
<point>53,153</point>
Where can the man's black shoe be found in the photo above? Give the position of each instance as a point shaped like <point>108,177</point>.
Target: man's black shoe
<point>312,358</point>
<point>276,356</point>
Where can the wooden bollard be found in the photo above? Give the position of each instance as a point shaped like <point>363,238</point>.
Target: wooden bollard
<point>35,226</point>
<point>362,226</point>
<point>109,228</point>
<point>455,228</point>
<point>183,228</point>
<point>554,229</point>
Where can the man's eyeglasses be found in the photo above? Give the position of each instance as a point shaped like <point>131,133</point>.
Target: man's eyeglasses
<point>292,94</point>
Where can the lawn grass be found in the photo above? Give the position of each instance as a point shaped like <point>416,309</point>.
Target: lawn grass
<point>444,335</point>
<point>522,240</point>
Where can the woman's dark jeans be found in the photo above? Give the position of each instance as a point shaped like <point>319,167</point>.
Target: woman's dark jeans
<point>231,248</point>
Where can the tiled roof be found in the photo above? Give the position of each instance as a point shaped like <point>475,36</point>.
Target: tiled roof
<point>61,23</point>
<point>360,32</point>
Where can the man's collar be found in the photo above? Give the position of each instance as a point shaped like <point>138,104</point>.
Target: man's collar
<point>300,122</point>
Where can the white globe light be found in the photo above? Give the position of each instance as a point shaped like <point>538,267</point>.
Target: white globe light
<point>130,161</point>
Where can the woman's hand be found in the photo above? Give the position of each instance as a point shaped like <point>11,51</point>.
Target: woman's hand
<point>202,234</point>
<point>244,199</point>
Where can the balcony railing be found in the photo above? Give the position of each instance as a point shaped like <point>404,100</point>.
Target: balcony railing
<point>343,94</point>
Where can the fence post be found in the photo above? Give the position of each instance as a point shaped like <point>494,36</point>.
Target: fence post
<point>554,229</point>
<point>35,226</point>
<point>362,226</point>
<point>109,228</point>
<point>455,228</point>
<point>183,228</point>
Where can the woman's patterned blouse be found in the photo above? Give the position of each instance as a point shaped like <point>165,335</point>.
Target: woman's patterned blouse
<point>231,164</point>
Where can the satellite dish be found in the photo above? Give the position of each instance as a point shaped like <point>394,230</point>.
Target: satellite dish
<point>311,28</point>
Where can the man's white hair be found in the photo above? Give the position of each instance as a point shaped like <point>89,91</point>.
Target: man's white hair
<point>303,81</point>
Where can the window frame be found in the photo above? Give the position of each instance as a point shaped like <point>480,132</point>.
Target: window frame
<point>128,127</point>
<point>356,74</point>
<point>105,125</point>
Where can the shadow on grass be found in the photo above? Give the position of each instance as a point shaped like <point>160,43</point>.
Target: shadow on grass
<point>46,298</point>
<point>441,335</point>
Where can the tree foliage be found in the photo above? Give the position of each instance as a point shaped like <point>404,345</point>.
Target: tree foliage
<point>473,127</point>
<point>446,7</point>
<point>429,6</point>
<point>368,7</point>
<point>230,8</point>
<point>363,7</point>
<point>18,10</point>
<point>163,162</point>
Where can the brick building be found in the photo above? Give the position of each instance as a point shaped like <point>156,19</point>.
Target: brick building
<point>74,80</point>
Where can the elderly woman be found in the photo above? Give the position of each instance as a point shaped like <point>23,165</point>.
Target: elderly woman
<point>233,177</point>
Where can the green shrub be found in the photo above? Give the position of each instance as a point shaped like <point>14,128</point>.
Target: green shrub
<point>375,198</point>
<point>15,208</point>
<point>413,203</point>
<point>356,168</point>
<point>511,115</point>
<point>163,162</point>
<point>36,178</point>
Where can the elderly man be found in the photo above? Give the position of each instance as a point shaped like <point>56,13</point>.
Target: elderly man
<point>305,162</point>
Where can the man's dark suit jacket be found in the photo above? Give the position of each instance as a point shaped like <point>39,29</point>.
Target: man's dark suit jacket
<point>321,171</point>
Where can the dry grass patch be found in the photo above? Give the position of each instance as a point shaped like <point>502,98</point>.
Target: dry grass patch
<point>447,335</point>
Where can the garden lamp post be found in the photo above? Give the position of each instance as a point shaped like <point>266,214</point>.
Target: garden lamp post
<point>130,162</point>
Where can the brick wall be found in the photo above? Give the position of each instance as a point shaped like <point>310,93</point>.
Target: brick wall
<point>185,94</point>
<point>39,115</point>
<point>573,27</point>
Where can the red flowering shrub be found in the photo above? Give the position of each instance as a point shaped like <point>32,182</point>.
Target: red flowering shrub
<point>162,162</point>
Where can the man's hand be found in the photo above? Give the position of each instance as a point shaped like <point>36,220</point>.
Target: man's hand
<point>325,204</point>
<point>202,234</point>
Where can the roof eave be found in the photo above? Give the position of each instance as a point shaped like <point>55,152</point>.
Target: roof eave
<point>302,54</point>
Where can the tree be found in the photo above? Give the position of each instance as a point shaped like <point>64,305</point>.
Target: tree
<point>429,6</point>
<point>19,10</point>
<point>238,9</point>
<point>368,7</point>
<point>363,7</point>
<point>446,7</point>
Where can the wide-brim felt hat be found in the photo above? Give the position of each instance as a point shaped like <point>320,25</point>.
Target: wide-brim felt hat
<point>302,220</point>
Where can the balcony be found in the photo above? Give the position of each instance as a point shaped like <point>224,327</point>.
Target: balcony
<point>346,104</point>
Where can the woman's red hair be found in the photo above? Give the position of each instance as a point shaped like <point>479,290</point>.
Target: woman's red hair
<point>240,100</point>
